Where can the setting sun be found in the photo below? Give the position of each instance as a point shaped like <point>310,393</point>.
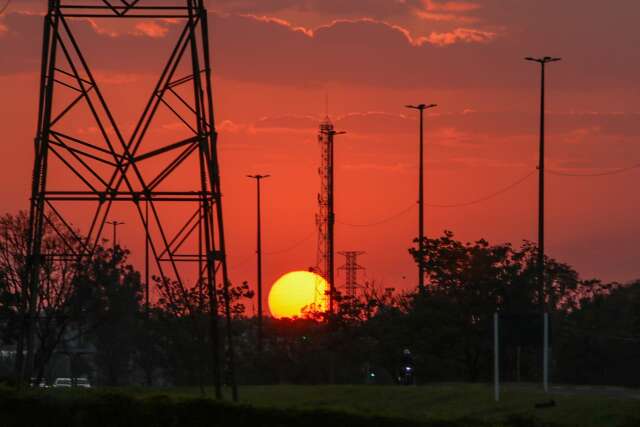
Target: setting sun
<point>295,291</point>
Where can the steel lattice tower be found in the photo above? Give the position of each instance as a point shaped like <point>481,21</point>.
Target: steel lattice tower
<point>115,169</point>
<point>351,268</point>
<point>325,218</point>
<point>325,140</point>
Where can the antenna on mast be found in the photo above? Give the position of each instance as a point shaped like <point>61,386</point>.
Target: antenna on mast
<point>326,102</point>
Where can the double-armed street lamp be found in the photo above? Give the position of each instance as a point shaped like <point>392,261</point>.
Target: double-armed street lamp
<point>115,225</point>
<point>259,178</point>
<point>540,262</point>
<point>421,269</point>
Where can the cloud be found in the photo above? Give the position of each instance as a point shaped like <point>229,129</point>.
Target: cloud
<point>287,121</point>
<point>444,17</point>
<point>448,11</point>
<point>462,129</point>
<point>229,126</point>
<point>101,29</point>
<point>450,6</point>
<point>150,29</point>
<point>457,35</point>
<point>367,51</point>
<point>466,35</point>
<point>375,8</point>
<point>281,22</point>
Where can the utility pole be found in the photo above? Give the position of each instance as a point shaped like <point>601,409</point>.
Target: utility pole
<point>351,268</point>
<point>421,269</point>
<point>130,178</point>
<point>541,286</point>
<point>258,178</point>
<point>115,225</point>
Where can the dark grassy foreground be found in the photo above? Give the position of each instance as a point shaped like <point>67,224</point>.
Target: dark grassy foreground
<point>452,402</point>
<point>322,406</point>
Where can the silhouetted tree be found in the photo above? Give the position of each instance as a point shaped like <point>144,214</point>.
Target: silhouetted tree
<point>111,293</point>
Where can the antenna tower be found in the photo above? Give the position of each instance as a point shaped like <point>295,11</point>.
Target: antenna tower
<point>324,259</point>
<point>325,218</point>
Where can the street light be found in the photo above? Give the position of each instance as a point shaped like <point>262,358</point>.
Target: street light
<point>115,225</point>
<point>258,178</point>
<point>421,108</point>
<point>541,286</point>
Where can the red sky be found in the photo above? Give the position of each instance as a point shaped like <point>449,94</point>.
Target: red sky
<point>273,61</point>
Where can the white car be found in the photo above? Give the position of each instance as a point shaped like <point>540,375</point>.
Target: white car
<point>62,383</point>
<point>83,383</point>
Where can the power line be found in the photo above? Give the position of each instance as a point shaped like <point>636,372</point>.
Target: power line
<point>382,221</point>
<point>487,197</point>
<point>432,205</point>
<point>241,262</point>
<point>611,172</point>
<point>293,246</point>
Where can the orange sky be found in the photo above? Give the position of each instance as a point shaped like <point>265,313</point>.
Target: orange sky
<point>273,61</point>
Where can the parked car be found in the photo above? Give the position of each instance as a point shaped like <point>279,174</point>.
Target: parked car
<point>71,382</point>
<point>41,384</point>
<point>62,383</point>
<point>83,383</point>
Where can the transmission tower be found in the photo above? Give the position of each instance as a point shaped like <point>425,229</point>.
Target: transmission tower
<point>157,178</point>
<point>325,219</point>
<point>351,268</point>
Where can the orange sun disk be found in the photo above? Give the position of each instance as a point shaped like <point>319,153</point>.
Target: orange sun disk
<point>295,291</point>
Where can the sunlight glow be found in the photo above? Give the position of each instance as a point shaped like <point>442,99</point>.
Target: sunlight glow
<point>296,292</point>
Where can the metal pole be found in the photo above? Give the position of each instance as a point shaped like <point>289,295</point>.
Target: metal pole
<point>258,178</point>
<point>540,259</point>
<point>146,259</point>
<point>496,358</point>
<point>115,225</point>
<point>545,367</point>
<point>421,269</point>
<point>259,250</point>
<point>541,195</point>
<point>421,206</point>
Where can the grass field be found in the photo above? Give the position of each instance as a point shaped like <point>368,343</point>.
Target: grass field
<point>460,404</point>
<point>449,402</point>
<point>445,402</point>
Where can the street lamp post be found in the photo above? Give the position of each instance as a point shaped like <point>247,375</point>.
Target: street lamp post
<point>421,108</point>
<point>540,270</point>
<point>258,178</point>
<point>540,262</point>
<point>115,225</point>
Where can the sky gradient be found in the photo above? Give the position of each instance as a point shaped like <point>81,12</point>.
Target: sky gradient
<point>273,62</point>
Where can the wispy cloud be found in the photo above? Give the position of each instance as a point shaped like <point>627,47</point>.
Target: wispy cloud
<point>281,22</point>
<point>458,35</point>
<point>448,11</point>
<point>150,29</point>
